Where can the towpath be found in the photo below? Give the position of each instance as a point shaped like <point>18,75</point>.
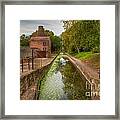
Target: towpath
<point>89,72</point>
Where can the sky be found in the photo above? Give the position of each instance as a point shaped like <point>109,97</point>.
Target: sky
<point>29,26</point>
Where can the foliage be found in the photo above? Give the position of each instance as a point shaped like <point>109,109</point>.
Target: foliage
<point>49,33</point>
<point>24,40</point>
<point>92,59</point>
<point>81,35</point>
<point>84,55</point>
<point>55,41</point>
<point>96,50</point>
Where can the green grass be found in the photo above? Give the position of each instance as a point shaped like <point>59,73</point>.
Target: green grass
<point>84,55</point>
<point>92,59</point>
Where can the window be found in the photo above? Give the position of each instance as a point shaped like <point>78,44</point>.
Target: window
<point>44,43</point>
<point>44,49</point>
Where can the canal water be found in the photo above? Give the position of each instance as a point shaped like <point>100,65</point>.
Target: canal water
<point>63,82</point>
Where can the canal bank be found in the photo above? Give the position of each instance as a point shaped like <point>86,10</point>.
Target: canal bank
<point>62,79</point>
<point>29,82</point>
<point>92,76</point>
<point>63,82</point>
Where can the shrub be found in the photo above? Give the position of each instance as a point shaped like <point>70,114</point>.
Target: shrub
<point>96,50</point>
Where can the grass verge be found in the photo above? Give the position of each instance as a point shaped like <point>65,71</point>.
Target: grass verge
<point>91,59</point>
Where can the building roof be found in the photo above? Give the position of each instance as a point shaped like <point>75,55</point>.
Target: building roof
<point>40,38</point>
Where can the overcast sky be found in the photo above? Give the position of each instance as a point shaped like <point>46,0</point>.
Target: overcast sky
<point>29,26</point>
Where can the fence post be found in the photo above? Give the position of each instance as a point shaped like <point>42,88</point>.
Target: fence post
<point>22,64</point>
<point>29,63</point>
<point>32,60</point>
<point>41,62</point>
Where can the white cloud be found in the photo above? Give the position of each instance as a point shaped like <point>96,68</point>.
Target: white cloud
<point>29,26</point>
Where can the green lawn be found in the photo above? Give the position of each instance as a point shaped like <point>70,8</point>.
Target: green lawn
<point>85,55</point>
<point>92,59</point>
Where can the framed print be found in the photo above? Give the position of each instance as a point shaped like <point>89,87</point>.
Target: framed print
<point>59,59</point>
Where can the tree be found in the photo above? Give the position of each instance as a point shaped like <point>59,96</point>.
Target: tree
<point>24,40</point>
<point>81,35</point>
<point>56,43</point>
<point>49,33</point>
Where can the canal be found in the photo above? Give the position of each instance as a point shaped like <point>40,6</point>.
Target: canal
<point>62,82</point>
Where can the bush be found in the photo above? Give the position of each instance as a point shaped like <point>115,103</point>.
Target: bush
<point>96,50</point>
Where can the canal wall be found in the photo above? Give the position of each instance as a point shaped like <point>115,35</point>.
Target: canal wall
<point>29,82</point>
<point>92,81</point>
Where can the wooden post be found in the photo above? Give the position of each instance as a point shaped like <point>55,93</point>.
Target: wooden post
<point>32,60</point>
<point>28,63</point>
<point>41,62</point>
<point>22,64</point>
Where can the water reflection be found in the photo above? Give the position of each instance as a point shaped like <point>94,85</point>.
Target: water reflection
<point>63,61</point>
<point>63,82</point>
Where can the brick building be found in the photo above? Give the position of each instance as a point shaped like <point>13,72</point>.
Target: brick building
<point>40,43</point>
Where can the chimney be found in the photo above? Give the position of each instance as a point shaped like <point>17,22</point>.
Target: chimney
<point>41,31</point>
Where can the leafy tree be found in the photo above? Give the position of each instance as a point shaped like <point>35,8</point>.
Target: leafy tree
<point>56,43</point>
<point>81,35</point>
<point>49,33</point>
<point>24,40</point>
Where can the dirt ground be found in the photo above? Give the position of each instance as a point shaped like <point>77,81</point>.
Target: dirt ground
<point>88,70</point>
